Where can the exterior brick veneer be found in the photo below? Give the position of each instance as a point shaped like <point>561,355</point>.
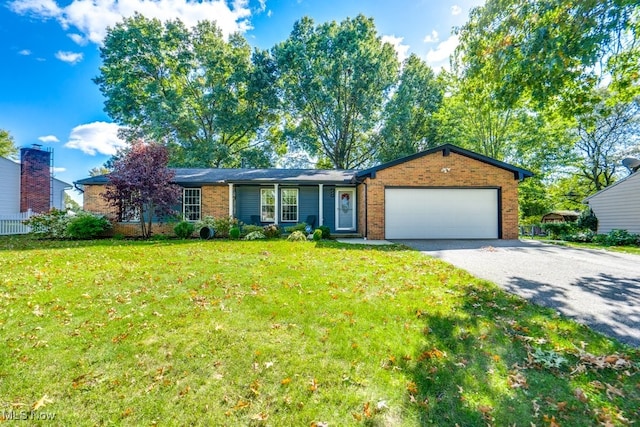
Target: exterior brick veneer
<point>35,180</point>
<point>214,202</point>
<point>427,171</point>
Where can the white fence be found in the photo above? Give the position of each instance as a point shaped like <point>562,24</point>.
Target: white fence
<point>12,224</point>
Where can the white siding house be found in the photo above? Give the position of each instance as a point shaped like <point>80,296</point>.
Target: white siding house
<point>618,206</point>
<point>9,187</point>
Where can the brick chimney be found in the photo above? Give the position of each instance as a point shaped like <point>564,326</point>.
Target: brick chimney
<point>35,179</point>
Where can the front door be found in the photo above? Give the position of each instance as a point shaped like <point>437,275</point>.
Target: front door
<point>346,209</point>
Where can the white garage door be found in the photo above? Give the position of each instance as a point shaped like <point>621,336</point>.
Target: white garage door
<point>439,213</point>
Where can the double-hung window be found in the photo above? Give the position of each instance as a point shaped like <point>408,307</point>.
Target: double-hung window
<point>191,198</point>
<point>289,204</point>
<point>267,205</point>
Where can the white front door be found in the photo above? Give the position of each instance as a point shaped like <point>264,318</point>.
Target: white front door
<point>346,209</point>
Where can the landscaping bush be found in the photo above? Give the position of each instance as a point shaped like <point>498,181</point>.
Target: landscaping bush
<point>234,233</point>
<point>250,228</point>
<point>558,229</point>
<point>49,225</point>
<point>297,236</point>
<point>184,229</point>
<point>272,231</point>
<point>207,221</point>
<point>255,235</point>
<point>224,225</point>
<point>587,220</point>
<point>317,235</point>
<point>582,237</point>
<point>621,238</point>
<point>326,231</point>
<point>86,225</point>
<point>298,227</point>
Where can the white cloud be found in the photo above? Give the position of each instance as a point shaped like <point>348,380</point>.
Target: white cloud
<point>91,18</point>
<point>401,49</point>
<point>456,10</point>
<point>48,138</point>
<point>24,52</point>
<point>70,57</point>
<point>78,38</point>
<point>96,137</point>
<point>57,170</point>
<point>432,38</point>
<point>438,58</point>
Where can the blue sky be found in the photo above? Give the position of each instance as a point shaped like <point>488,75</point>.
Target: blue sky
<point>49,51</point>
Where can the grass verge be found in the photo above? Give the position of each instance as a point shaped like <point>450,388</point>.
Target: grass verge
<point>281,333</point>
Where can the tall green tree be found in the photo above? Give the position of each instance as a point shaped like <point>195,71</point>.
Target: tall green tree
<point>554,50</point>
<point>201,95</point>
<point>7,144</point>
<point>603,136</point>
<point>335,79</point>
<point>409,126</point>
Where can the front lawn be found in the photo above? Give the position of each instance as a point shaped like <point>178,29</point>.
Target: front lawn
<point>281,333</point>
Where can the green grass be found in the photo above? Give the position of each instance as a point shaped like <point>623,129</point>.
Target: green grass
<point>289,333</point>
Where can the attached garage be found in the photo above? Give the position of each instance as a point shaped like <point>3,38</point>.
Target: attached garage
<point>446,192</point>
<point>442,213</point>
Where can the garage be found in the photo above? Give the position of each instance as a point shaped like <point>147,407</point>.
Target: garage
<point>442,213</point>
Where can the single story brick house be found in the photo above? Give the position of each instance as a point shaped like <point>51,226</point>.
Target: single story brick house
<point>443,193</point>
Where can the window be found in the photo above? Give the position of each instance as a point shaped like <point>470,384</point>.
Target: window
<point>191,204</point>
<point>289,205</point>
<point>267,205</point>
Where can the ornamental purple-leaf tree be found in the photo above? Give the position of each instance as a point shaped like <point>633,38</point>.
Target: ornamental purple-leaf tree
<point>140,185</point>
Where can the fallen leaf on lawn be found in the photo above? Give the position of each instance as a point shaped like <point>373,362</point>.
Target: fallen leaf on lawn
<point>412,388</point>
<point>551,420</point>
<point>381,406</point>
<point>313,385</point>
<point>597,385</point>
<point>485,409</point>
<point>357,416</point>
<point>319,424</point>
<point>185,390</point>
<point>611,391</point>
<point>285,381</point>
<point>579,393</point>
<point>42,402</point>
<point>267,365</point>
<point>255,387</point>
<point>241,405</point>
<point>562,406</point>
<point>517,381</point>
<point>261,416</point>
<point>367,410</point>
<point>127,412</point>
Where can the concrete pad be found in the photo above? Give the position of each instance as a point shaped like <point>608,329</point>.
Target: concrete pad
<point>358,241</point>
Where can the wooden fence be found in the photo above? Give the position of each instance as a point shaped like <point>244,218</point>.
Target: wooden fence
<point>13,224</point>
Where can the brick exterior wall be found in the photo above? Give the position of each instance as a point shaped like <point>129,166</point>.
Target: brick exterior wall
<point>214,202</point>
<point>35,180</point>
<point>426,171</point>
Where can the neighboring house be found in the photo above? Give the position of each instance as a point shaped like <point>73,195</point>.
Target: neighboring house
<point>561,216</point>
<point>443,193</point>
<point>28,185</point>
<point>618,205</point>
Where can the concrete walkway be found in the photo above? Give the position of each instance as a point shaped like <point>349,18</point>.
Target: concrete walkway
<point>595,287</point>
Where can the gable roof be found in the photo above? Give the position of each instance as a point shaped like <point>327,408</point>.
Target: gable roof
<point>619,182</point>
<point>446,149</point>
<point>191,176</point>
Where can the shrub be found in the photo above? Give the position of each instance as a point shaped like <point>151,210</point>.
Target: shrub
<point>50,225</point>
<point>298,227</point>
<point>317,235</point>
<point>250,228</point>
<point>583,237</point>
<point>234,233</point>
<point>272,230</point>
<point>297,236</point>
<point>326,231</point>
<point>224,225</point>
<point>207,221</point>
<point>86,225</point>
<point>255,235</point>
<point>558,229</point>
<point>184,229</point>
<point>621,238</point>
<point>587,220</point>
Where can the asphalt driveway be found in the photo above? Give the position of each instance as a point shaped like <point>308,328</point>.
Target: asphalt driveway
<point>595,287</point>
